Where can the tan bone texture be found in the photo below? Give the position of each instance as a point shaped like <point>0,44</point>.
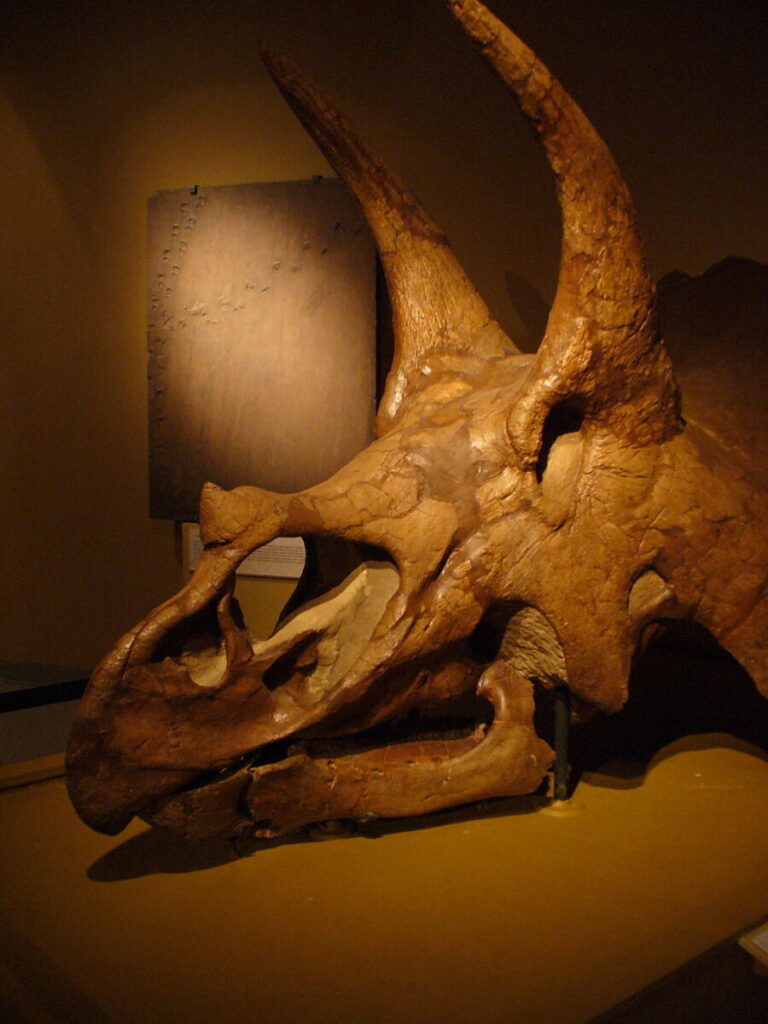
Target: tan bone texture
<point>527,518</point>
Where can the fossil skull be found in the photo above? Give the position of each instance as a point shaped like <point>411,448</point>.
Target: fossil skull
<point>527,519</point>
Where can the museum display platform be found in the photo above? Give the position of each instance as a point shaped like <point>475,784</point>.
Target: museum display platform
<point>518,911</point>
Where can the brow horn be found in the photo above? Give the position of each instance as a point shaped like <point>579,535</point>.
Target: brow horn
<point>602,339</point>
<point>436,310</point>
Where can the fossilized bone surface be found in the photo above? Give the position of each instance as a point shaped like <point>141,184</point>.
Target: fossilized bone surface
<point>532,516</point>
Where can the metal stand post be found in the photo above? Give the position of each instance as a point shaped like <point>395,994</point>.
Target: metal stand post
<point>562,717</point>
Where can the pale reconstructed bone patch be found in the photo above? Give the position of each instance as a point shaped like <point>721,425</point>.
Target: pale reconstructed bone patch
<point>563,465</point>
<point>342,622</point>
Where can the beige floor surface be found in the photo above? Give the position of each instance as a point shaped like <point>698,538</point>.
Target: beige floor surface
<point>531,916</point>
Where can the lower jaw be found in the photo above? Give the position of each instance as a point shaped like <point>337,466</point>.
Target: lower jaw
<point>330,781</point>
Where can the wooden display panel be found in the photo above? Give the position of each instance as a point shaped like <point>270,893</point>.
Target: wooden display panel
<point>261,333</point>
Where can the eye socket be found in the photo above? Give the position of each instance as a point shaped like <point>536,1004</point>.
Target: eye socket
<point>563,418</point>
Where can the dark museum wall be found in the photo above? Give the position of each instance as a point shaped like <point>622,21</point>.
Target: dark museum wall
<point>102,106</point>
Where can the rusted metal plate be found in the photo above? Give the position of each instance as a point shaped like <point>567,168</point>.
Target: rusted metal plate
<point>262,338</point>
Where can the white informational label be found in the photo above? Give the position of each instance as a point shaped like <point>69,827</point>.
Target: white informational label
<point>282,557</point>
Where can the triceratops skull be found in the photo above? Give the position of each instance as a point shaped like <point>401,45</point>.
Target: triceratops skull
<point>529,517</point>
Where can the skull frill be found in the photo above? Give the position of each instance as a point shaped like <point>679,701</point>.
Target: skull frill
<point>526,518</point>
